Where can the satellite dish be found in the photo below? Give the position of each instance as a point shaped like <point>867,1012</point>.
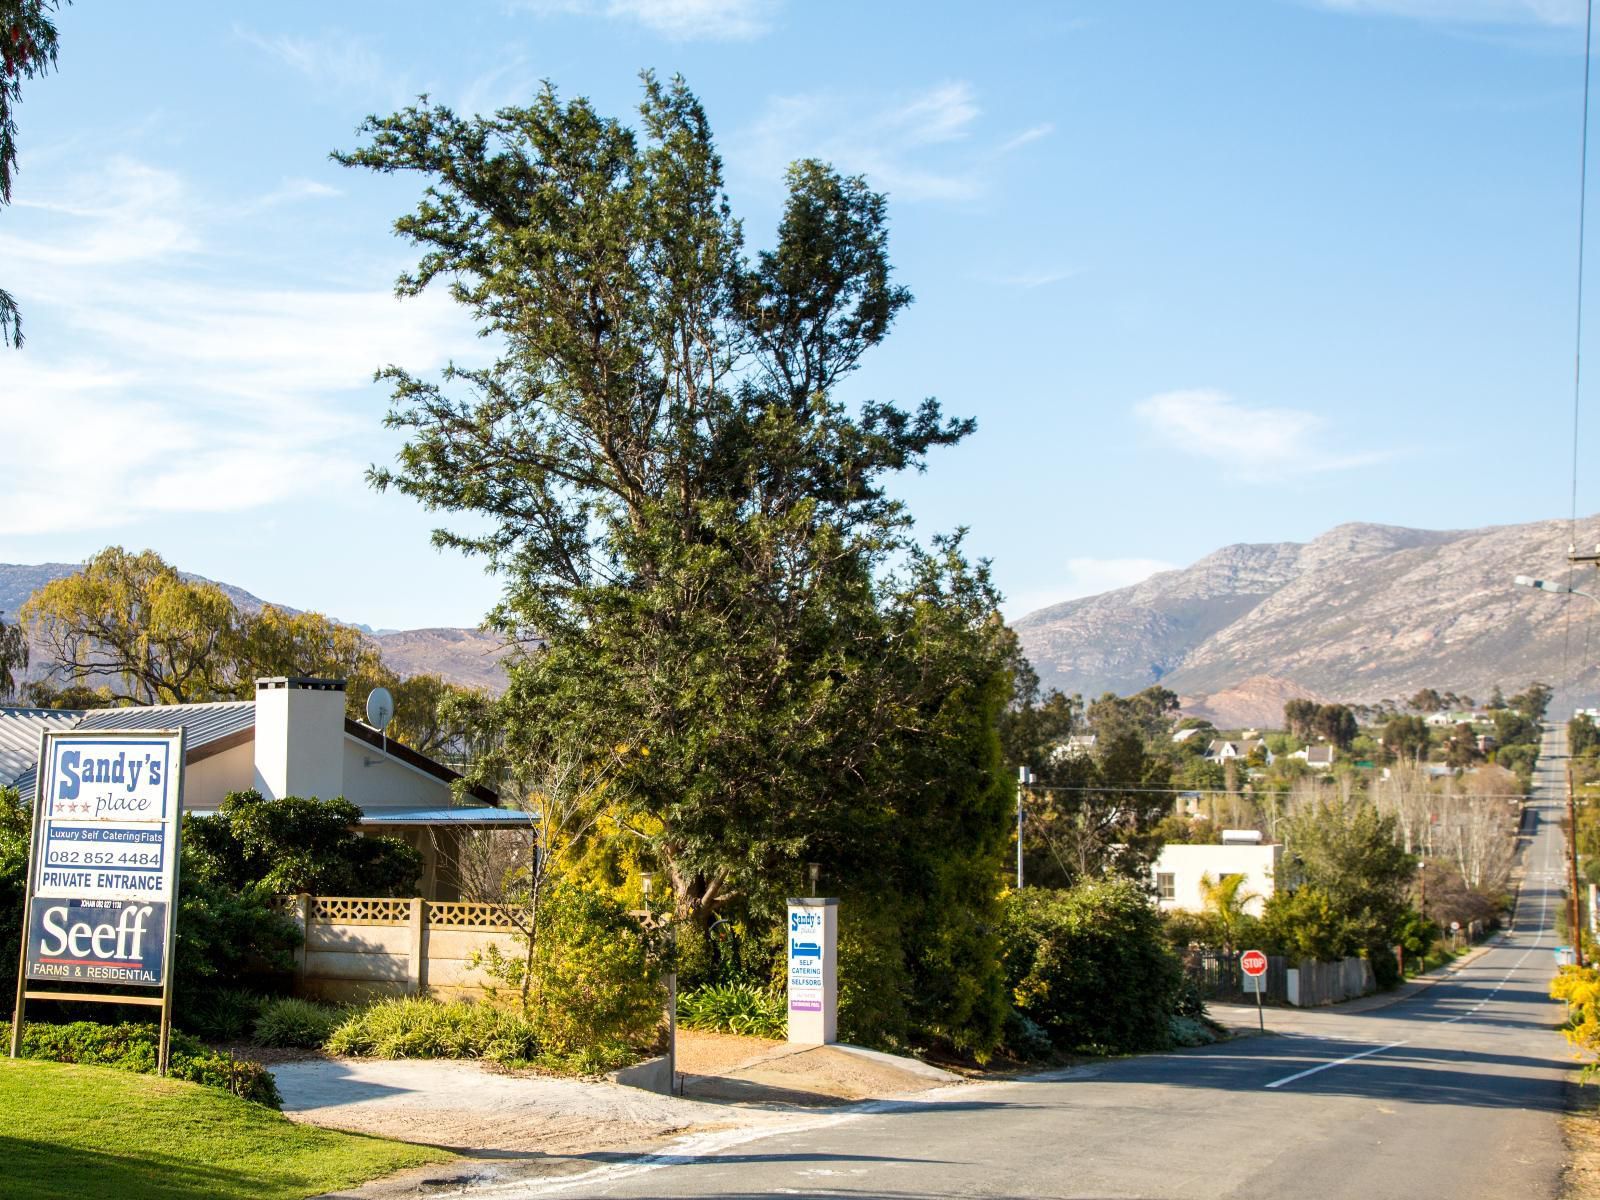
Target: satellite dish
<point>380,708</point>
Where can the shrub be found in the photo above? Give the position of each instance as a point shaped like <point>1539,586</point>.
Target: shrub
<point>1192,1031</point>
<point>596,990</point>
<point>597,984</point>
<point>411,1027</point>
<point>295,844</point>
<point>1024,1038</point>
<point>289,1022</point>
<point>135,1047</point>
<point>734,1008</point>
<point>1090,967</point>
<point>1580,988</point>
<point>222,1015</point>
<point>873,976</point>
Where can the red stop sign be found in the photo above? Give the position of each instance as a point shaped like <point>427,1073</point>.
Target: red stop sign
<point>1253,962</point>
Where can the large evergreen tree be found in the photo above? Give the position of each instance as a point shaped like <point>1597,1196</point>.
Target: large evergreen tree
<point>693,528</point>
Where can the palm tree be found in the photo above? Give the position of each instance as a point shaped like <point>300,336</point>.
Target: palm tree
<point>1225,901</point>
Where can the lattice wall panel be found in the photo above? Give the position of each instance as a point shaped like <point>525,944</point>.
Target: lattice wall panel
<point>351,909</point>
<point>467,915</point>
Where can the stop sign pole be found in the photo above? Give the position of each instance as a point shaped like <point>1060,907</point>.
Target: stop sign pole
<point>1254,964</point>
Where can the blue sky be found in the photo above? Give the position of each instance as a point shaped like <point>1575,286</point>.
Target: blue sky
<point>1204,272</point>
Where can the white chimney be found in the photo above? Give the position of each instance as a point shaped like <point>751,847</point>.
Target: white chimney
<point>299,737</point>
<point>1239,837</point>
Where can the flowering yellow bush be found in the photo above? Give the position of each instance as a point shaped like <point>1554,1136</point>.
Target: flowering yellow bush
<point>1580,988</point>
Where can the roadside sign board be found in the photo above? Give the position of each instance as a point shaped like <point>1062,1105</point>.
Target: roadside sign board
<point>101,897</point>
<point>813,927</point>
<point>1253,963</point>
<point>105,851</point>
<point>1255,983</point>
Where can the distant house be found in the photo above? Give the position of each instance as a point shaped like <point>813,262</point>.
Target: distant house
<point>293,739</point>
<point>1078,745</point>
<point>1222,749</point>
<point>1318,758</point>
<point>1183,735</point>
<point>1178,869</point>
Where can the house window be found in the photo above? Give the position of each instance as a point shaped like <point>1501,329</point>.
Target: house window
<point>1166,885</point>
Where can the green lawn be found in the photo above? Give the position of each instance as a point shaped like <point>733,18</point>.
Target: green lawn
<point>69,1132</point>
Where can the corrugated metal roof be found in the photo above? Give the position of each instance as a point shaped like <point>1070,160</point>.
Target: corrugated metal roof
<point>445,816</point>
<point>201,723</point>
<point>19,738</point>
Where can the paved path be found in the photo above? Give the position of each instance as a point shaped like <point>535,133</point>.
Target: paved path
<point>1453,1092</point>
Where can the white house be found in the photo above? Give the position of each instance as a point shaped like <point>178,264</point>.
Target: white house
<point>1177,871</point>
<point>293,739</point>
<point>1078,745</point>
<point>1222,749</point>
<point>1318,758</point>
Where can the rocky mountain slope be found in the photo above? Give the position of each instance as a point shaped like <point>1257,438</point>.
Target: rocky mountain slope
<point>465,656</point>
<point>1362,613</point>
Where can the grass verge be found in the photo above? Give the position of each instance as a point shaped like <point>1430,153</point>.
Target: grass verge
<point>69,1131</point>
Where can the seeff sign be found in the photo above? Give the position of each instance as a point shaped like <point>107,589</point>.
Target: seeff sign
<point>105,855</point>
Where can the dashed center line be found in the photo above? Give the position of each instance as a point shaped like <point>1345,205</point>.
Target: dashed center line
<point>1544,907</point>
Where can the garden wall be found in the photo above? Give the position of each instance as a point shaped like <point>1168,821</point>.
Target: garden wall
<point>364,948</point>
<point>1318,983</point>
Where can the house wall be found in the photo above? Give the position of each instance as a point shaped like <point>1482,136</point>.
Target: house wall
<point>373,781</point>
<point>358,948</point>
<point>1258,864</point>
<point>206,782</point>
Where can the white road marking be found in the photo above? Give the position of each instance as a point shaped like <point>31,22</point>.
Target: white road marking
<point>1544,908</point>
<point>1336,1063</point>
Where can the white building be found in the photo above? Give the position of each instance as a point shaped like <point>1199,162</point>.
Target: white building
<point>1177,871</point>
<point>1222,749</point>
<point>1318,758</point>
<point>293,739</point>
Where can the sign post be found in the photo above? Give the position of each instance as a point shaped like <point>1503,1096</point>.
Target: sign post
<point>101,898</point>
<point>813,955</point>
<point>1254,965</point>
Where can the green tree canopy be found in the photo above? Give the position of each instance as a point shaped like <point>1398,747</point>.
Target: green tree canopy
<point>1348,882</point>
<point>28,44</point>
<point>694,528</point>
<point>13,656</point>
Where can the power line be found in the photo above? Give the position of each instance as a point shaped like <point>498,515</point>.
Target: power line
<point>1568,676</point>
<point>1241,795</point>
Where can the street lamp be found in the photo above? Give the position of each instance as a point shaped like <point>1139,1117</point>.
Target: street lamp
<point>1545,585</point>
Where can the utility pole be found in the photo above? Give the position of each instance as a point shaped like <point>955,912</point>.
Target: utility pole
<point>1024,778</point>
<point>1592,560</point>
<point>1572,867</point>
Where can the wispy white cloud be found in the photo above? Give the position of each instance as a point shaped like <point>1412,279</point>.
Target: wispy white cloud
<point>1252,444</point>
<point>1028,280</point>
<point>1468,12</point>
<point>909,147</point>
<point>338,62</point>
<point>126,213</point>
<point>679,20</point>
<point>1025,137</point>
<point>177,394</point>
<point>1086,577</point>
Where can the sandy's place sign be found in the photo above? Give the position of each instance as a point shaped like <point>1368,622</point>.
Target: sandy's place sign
<point>103,872</point>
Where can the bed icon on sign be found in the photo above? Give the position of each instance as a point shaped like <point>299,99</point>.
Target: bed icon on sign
<point>804,949</point>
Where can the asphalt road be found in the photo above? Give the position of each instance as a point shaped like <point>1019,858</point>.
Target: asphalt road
<point>1452,1092</point>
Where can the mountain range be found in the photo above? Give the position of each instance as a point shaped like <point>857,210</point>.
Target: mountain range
<point>1360,614</point>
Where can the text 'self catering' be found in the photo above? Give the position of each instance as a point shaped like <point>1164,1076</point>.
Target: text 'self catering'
<point>105,859</point>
